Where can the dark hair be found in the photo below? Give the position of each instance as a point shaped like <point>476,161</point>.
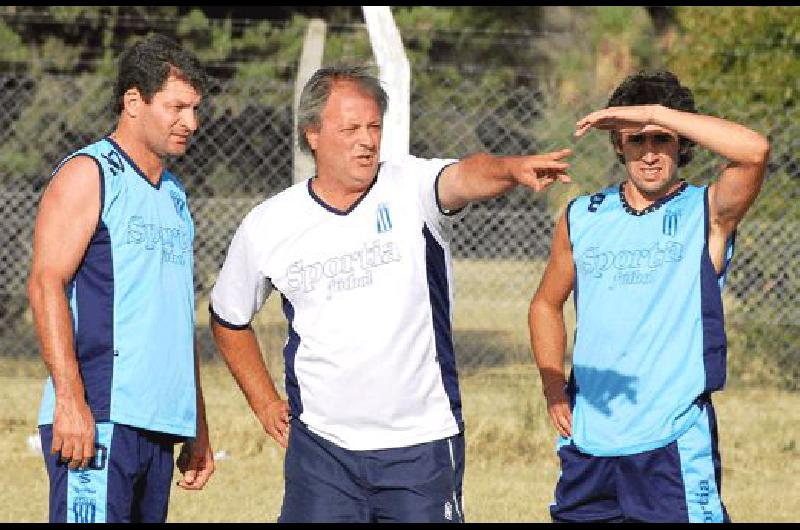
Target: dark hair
<point>318,89</point>
<point>149,63</point>
<point>656,88</point>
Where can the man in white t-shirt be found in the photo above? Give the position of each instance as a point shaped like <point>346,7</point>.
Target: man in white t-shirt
<point>359,254</point>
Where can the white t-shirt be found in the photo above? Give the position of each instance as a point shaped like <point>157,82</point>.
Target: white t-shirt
<point>368,296</point>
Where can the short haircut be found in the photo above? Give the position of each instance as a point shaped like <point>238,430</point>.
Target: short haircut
<point>148,64</point>
<point>656,88</point>
<point>318,89</point>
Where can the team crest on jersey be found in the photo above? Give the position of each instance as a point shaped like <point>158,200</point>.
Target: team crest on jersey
<point>669,225</point>
<point>178,202</point>
<point>384,220</point>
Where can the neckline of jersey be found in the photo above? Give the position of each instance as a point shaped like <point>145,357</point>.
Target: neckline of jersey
<point>653,207</point>
<point>353,206</point>
<point>136,166</point>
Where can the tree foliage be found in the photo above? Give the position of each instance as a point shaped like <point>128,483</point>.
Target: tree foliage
<point>749,53</point>
<point>558,59</point>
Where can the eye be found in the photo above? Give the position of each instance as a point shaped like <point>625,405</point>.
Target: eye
<point>662,138</point>
<point>636,138</point>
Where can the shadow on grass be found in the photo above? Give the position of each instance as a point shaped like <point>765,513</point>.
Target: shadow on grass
<point>487,348</point>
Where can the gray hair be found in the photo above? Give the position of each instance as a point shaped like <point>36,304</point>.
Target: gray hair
<point>318,89</point>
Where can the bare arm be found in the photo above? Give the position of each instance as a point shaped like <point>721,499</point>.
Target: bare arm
<point>547,328</point>
<point>740,181</point>
<point>68,215</point>
<point>243,356</point>
<point>483,176</point>
<point>196,460</point>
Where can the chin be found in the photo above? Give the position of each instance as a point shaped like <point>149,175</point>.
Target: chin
<point>366,174</point>
<point>177,151</point>
<point>654,188</point>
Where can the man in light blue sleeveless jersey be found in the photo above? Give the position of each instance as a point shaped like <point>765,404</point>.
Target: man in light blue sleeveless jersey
<point>111,289</point>
<point>646,260</point>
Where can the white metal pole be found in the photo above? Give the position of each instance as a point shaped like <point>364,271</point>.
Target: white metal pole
<point>395,73</point>
<point>310,62</point>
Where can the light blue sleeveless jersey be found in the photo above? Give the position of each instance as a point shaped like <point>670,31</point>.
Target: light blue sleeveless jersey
<point>132,302</point>
<point>650,336</point>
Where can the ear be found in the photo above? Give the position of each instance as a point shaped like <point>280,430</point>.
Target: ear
<point>132,102</point>
<point>312,137</point>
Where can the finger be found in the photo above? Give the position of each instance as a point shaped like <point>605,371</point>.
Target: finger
<point>66,450</point>
<point>581,126</point>
<point>549,178</point>
<point>584,121</point>
<point>566,420</point>
<point>76,457</point>
<point>563,425</point>
<point>283,432</point>
<point>283,439</point>
<point>562,431</point>
<point>554,419</point>
<point>581,130</point>
<point>567,430</point>
<point>204,473</point>
<point>590,118</point>
<point>550,165</point>
<point>200,478</point>
<point>557,155</point>
<point>188,479</point>
<point>277,435</point>
<point>88,452</point>
<point>543,185</point>
<point>55,446</point>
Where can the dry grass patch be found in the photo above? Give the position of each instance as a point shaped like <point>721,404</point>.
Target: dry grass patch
<point>511,462</point>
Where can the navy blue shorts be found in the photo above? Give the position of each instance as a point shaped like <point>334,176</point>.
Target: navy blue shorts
<point>680,482</point>
<point>128,481</point>
<point>326,483</point>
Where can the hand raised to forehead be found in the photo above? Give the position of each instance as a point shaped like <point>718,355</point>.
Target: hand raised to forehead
<point>624,119</point>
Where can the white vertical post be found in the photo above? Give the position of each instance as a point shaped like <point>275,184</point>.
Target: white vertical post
<point>310,62</point>
<point>395,73</point>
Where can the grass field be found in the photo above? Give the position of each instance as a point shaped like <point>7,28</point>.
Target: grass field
<point>511,465</point>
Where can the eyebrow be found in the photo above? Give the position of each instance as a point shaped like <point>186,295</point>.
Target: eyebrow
<point>641,135</point>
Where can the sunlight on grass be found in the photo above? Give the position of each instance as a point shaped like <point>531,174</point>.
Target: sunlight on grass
<point>511,463</point>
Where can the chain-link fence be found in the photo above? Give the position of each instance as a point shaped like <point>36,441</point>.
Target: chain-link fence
<point>243,154</point>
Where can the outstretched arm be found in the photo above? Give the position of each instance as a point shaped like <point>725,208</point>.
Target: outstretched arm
<point>547,328</point>
<point>746,151</point>
<point>68,215</point>
<point>239,348</point>
<point>483,176</point>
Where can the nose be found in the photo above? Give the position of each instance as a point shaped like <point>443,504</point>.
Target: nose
<point>365,138</point>
<point>189,119</point>
<point>649,156</point>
